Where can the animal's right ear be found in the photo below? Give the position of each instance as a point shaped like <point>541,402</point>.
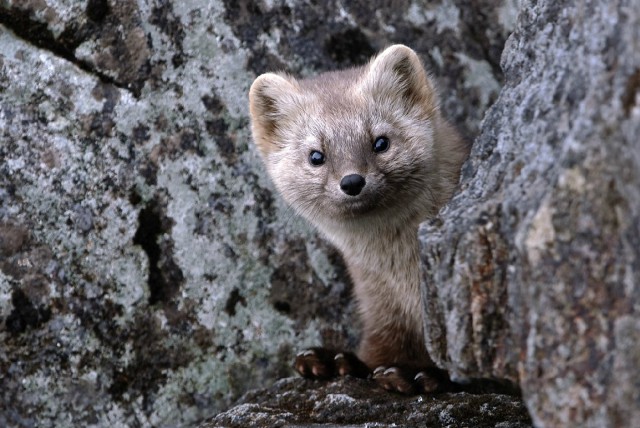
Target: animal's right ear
<point>271,99</point>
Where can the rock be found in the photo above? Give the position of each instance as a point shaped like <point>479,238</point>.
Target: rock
<point>295,402</point>
<point>531,273</point>
<point>149,274</point>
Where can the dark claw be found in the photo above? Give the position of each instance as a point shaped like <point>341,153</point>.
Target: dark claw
<point>321,363</point>
<point>396,379</point>
<point>316,363</point>
<point>348,364</point>
<point>433,380</point>
<point>427,384</point>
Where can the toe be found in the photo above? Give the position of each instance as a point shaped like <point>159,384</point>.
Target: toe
<point>315,363</point>
<point>394,379</point>
<point>427,383</point>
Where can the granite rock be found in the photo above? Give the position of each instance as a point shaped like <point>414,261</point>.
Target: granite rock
<point>531,272</point>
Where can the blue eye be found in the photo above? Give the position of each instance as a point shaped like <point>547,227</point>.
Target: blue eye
<point>316,158</point>
<point>381,144</point>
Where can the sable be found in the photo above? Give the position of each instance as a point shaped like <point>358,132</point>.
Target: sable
<point>365,155</point>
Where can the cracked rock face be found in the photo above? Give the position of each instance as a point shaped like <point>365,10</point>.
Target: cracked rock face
<point>149,274</point>
<point>532,271</point>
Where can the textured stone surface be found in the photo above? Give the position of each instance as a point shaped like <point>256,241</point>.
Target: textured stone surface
<point>352,402</point>
<point>148,273</point>
<point>532,272</point>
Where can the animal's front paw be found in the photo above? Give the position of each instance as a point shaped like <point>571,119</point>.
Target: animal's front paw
<point>409,381</point>
<point>321,363</point>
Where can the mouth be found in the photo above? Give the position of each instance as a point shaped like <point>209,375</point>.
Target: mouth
<point>357,207</point>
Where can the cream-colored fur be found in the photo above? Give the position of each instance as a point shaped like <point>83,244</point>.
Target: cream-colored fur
<point>340,114</point>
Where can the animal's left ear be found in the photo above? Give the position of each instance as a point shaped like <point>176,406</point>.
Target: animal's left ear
<point>397,75</point>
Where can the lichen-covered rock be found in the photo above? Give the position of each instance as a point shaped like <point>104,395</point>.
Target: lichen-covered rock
<point>148,272</point>
<point>532,271</point>
<point>355,402</point>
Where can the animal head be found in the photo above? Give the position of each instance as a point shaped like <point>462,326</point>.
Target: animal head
<point>353,144</point>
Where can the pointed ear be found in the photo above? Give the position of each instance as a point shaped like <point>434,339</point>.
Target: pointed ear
<point>397,75</point>
<point>272,98</point>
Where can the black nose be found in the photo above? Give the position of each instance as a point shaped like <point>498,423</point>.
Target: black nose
<point>352,184</point>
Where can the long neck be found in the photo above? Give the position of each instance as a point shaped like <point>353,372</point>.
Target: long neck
<point>383,261</point>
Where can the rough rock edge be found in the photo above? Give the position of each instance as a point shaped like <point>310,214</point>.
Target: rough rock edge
<point>355,402</point>
<point>531,270</point>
